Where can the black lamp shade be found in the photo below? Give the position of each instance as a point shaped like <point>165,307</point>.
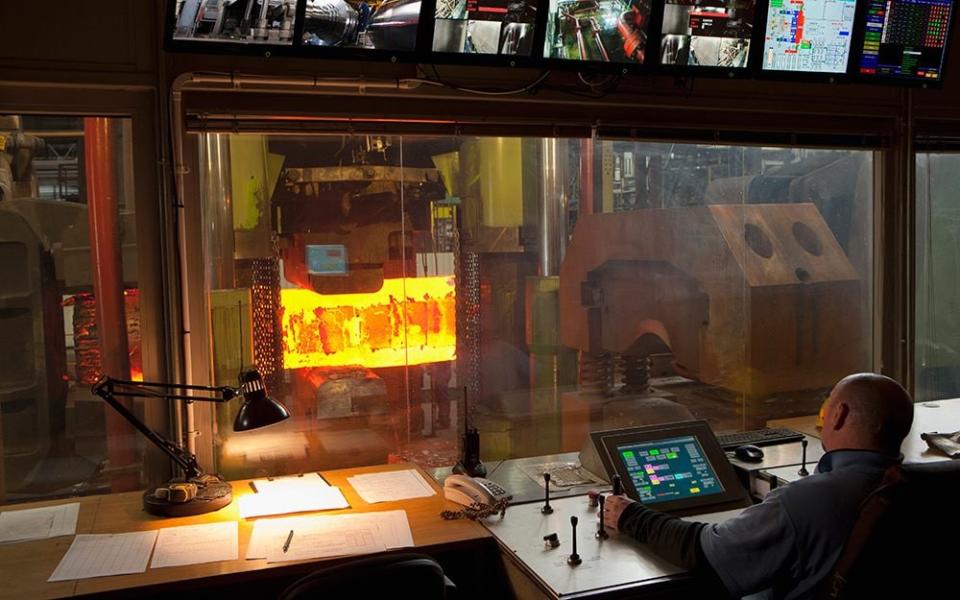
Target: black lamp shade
<point>258,409</point>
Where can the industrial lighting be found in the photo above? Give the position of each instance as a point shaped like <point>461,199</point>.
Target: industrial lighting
<point>197,492</point>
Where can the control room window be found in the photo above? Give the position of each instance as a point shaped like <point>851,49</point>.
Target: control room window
<point>938,277</point>
<point>559,285</point>
<point>67,314</point>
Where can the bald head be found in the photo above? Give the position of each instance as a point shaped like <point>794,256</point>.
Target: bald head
<point>867,411</point>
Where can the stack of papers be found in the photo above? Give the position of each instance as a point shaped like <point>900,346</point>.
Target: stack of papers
<point>196,544</point>
<point>329,536</point>
<point>102,555</point>
<point>389,486</point>
<point>285,495</point>
<point>38,523</point>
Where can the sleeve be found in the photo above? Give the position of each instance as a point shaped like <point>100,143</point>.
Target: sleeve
<point>754,550</point>
<point>673,539</point>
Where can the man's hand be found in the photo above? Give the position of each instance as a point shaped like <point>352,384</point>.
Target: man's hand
<point>613,507</point>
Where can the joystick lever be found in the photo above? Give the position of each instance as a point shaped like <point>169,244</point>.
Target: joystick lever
<point>601,528</point>
<point>574,558</point>
<point>617,486</point>
<point>547,509</point>
<point>803,465</point>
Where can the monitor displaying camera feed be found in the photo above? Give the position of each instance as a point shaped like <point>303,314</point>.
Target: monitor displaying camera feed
<point>238,21</point>
<point>707,33</point>
<point>374,25</point>
<point>610,31</point>
<point>906,38</point>
<point>485,26</point>
<point>808,36</point>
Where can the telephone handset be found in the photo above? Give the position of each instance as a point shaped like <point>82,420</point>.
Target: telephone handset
<point>469,490</point>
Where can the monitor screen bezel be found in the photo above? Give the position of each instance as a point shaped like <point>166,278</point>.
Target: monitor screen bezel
<point>733,496</point>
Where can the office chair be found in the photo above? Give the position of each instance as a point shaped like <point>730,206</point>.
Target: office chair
<point>382,576</point>
<point>906,541</point>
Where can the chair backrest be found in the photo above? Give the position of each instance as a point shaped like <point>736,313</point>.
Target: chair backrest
<point>383,576</point>
<point>907,538</point>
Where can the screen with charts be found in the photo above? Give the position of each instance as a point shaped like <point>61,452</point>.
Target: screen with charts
<point>707,33</point>
<point>808,36</point>
<point>669,469</point>
<point>502,27</point>
<point>606,31</point>
<point>905,38</point>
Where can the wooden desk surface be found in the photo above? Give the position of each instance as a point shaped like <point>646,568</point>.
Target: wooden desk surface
<point>25,567</point>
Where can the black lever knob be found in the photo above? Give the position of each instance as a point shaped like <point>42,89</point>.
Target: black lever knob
<point>547,509</point>
<point>574,558</point>
<point>551,540</point>
<point>803,465</point>
<point>601,527</point>
<point>617,486</point>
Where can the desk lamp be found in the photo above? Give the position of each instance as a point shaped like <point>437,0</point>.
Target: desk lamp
<point>212,493</point>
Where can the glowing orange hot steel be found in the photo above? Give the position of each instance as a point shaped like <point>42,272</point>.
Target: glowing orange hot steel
<point>409,321</point>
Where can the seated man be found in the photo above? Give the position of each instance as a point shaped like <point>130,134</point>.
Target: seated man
<point>787,545</point>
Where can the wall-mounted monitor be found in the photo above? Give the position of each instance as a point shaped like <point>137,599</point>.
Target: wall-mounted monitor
<point>598,31</point>
<point>390,25</point>
<point>808,36</point>
<point>236,21</point>
<point>707,33</point>
<point>491,27</point>
<point>905,39</point>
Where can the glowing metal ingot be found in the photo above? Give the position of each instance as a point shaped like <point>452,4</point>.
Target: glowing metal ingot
<point>409,321</point>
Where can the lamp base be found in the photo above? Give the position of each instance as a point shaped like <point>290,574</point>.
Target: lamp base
<point>213,494</point>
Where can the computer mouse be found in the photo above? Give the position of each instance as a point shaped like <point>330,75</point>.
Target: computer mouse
<point>748,453</point>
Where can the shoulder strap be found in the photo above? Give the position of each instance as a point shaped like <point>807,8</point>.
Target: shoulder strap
<point>871,511</point>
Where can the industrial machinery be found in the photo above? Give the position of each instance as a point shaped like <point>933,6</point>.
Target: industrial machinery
<point>378,24</point>
<point>754,299</point>
<point>342,281</point>
<point>269,21</point>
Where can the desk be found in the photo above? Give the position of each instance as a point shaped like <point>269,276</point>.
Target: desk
<point>615,567</point>
<point>25,567</point>
<point>510,475</point>
<point>936,415</point>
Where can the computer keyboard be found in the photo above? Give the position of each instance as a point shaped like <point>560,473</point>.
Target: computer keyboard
<point>758,437</point>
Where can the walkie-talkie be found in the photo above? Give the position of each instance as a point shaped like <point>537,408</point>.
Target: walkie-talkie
<point>470,463</point>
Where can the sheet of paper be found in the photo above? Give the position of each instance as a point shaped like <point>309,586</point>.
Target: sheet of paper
<point>38,523</point>
<point>281,503</point>
<point>299,484</point>
<point>327,541</point>
<point>196,544</point>
<point>65,520</point>
<point>391,485</point>
<point>393,530</point>
<point>106,554</point>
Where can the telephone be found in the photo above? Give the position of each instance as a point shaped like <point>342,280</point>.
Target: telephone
<point>468,490</point>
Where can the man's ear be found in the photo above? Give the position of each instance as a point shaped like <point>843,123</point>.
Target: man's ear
<point>842,411</point>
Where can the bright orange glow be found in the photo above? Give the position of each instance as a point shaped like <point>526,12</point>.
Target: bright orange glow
<point>409,321</point>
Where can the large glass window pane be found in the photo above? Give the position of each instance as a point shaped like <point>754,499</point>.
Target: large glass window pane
<point>67,314</point>
<point>559,285</point>
<point>938,277</point>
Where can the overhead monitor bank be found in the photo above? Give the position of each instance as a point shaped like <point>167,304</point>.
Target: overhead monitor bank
<point>879,41</point>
